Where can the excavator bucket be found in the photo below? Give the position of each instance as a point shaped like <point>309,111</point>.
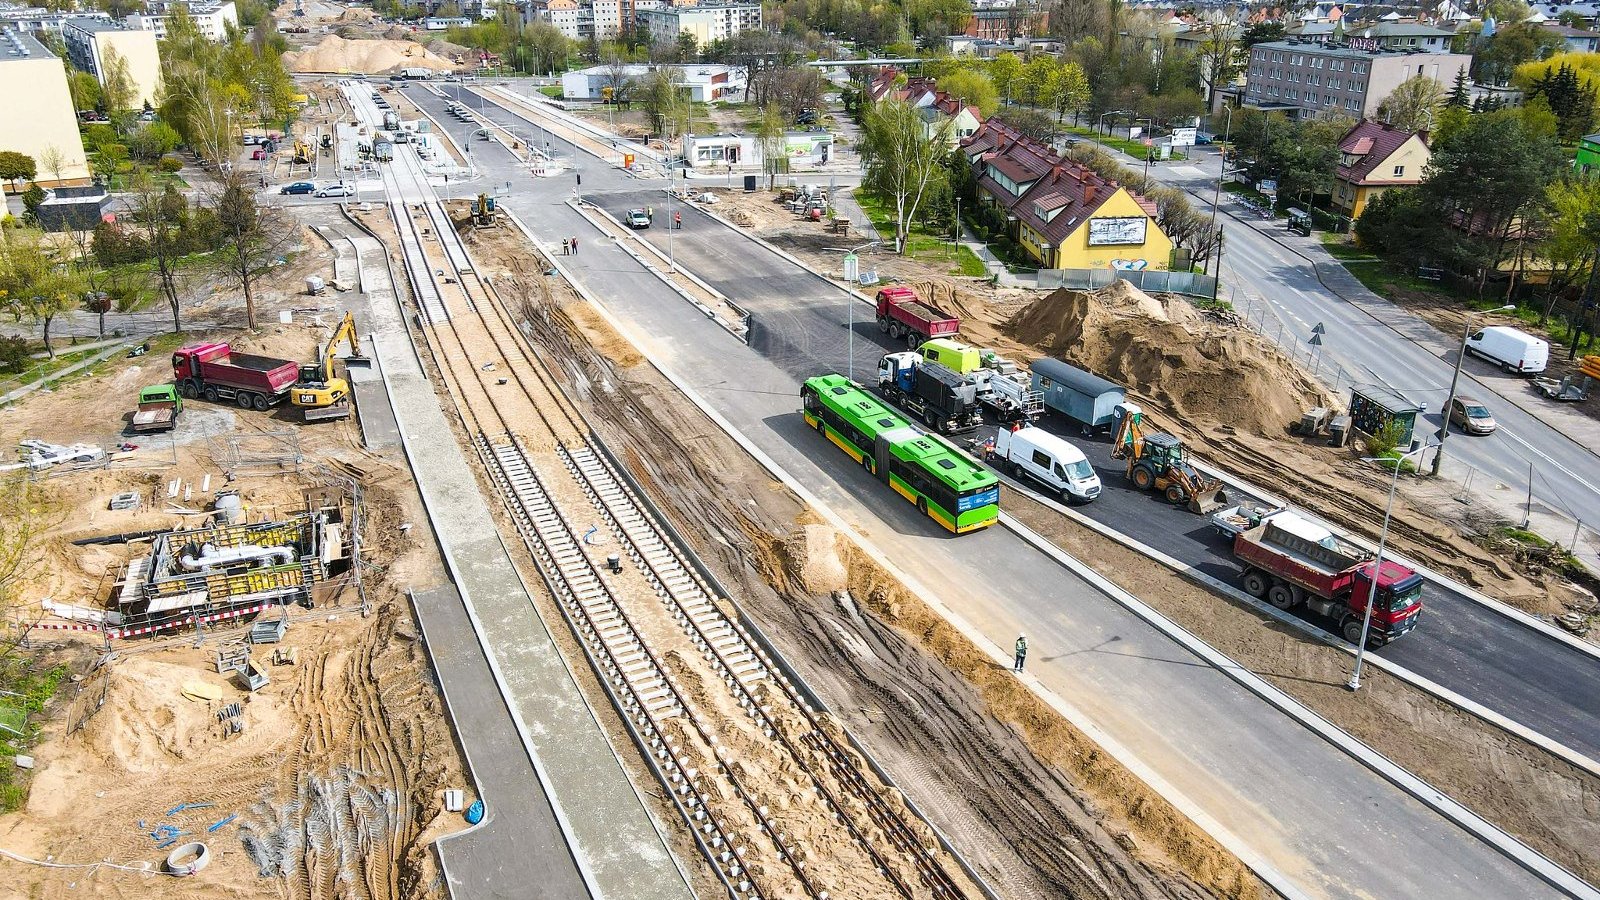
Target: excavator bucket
<point>1208,499</point>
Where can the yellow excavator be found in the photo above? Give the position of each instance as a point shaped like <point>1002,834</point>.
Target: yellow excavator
<point>319,393</point>
<point>1156,462</point>
<point>302,153</point>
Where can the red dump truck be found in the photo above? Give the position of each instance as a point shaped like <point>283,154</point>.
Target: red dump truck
<point>1291,561</point>
<point>901,313</point>
<point>215,372</point>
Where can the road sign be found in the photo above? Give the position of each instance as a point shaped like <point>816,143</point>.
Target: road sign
<point>1183,137</point>
<point>1268,186</point>
<point>1319,329</point>
<point>627,160</point>
<point>1316,340</point>
<point>852,269</point>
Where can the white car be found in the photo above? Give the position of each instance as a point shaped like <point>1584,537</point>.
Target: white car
<point>335,190</point>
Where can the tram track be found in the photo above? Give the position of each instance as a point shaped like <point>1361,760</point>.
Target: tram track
<point>710,713</point>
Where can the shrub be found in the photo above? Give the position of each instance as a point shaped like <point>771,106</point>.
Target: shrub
<point>170,164</point>
<point>14,353</point>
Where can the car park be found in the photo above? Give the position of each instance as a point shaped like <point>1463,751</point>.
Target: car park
<point>335,190</point>
<point>299,187</point>
<point>1471,416</point>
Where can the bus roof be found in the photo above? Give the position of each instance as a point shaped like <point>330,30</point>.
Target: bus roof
<point>944,461</point>
<point>854,403</point>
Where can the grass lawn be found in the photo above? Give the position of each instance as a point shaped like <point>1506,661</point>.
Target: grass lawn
<point>125,182</point>
<point>40,369</point>
<point>553,91</point>
<point>921,244</point>
<point>1136,149</point>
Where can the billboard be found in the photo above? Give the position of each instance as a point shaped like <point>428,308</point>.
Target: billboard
<point>1183,137</point>
<point>1113,231</point>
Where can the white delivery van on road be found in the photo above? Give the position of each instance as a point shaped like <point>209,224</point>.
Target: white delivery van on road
<point>1049,460</point>
<point>1515,352</point>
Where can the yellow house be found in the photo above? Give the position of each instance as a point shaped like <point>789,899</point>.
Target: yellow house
<point>1374,157</point>
<point>1062,213</point>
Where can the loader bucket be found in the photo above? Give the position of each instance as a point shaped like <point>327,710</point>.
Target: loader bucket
<point>1210,498</point>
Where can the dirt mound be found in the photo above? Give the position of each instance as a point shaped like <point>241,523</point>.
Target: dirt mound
<point>812,557</point>
<point>336,54</point>
<point>1165,349</point>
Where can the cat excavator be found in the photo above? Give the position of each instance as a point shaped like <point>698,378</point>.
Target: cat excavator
<point>1156,462</point>
<point>320,394</point>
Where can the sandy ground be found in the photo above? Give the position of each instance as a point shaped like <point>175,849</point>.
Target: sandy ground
<point>369,57</point>
<point>1020,793</point>
<point>348,747</point>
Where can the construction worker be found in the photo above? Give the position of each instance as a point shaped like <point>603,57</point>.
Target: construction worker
<point>677,220</point>
<point>1022,653</point>
<point>566,246</point>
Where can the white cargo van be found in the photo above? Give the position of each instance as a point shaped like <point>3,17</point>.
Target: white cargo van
<point>1049,460</point>
<point>1515,352</point>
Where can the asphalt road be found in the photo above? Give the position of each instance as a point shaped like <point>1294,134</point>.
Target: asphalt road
<point>1404,353</point>
<point>1147,692</point>
<point>798,324</point>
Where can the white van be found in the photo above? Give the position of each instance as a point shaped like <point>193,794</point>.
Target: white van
<point>1515,352</point>
<point>1049,460</point>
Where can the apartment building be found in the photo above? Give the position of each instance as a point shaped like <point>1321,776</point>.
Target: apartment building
<point>1303,79</point>
<point>91,45</point>
<point>1379,35</point>
<point>212,19</point>
<point>33,18</point>
<point>39,116</point>
<point>708,22</point>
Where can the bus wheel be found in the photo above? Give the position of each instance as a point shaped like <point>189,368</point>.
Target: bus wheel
<point>922,505</point>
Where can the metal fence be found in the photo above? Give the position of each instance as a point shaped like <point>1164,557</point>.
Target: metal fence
<point>1150,281</point>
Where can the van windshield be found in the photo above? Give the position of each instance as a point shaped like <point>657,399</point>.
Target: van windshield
<point>1079,470</point>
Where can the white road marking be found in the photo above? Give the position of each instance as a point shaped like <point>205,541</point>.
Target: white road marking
<point>1187,172</point>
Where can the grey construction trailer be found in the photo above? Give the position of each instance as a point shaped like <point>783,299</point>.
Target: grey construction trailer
<point>1081,396</point>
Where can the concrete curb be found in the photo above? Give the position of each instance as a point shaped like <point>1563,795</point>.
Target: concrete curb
<point>587,210</point>
<point>996,653</point>
<point>1338,642</point>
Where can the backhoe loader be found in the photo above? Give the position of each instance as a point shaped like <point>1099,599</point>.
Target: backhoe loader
<point>1156,462</point>
<point>319,393</point>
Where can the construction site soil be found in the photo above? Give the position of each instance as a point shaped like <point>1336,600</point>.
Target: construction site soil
<point>364,57</point>
<point>336,777</point>
<point>1541,799</point>
<point>1034,806</point>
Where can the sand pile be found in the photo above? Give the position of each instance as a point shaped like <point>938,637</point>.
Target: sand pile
<point>1163,348</point>
<point>335,54</point>
<point>812,557</point>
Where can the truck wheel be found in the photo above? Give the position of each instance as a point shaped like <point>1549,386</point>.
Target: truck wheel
<point>883,324</point>
<point>1255,584</point>
<point>1143,478</point>
<point>243,399</point>
<point>913,339</point>
<point>210,394</point>
<point>1281,596</point>
<point>260,403</point>
<point>186,390</point>
<point>1352,630</point>
<point>1175,495</point>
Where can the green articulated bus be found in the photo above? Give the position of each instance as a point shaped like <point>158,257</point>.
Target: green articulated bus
<point>945,484</point>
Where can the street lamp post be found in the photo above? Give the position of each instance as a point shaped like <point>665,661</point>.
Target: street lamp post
<point>1444,431</point>
<point>1216,196</point>
<point>1354,683</point>
<point>850,366</point>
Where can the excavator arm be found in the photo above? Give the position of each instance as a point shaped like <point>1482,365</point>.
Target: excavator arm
<point>1128,442</point>
<point>324,389</point>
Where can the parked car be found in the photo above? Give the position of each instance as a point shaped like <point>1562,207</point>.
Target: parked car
<point>1471,416</point>
<point>335,190</point>
<point>299,187</point>
<point>1516,352</point>
<point>258,154</point>
<point>1202,138</point>
<point>250,140</point>
<point>638,218</point>
<point>148,115</point>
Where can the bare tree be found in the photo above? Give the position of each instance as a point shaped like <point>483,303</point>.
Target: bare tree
<point>160,212</point>
<point>54,161</point>
<point>253,236</point>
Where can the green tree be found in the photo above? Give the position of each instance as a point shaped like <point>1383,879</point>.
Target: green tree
<point>903,161</point>
<point>117,89</point>
<point>1004,70</point>
<point>85,89</point>
<point>665,102</point>
<point>1413,104</point>
<point>1571,101</point>
<point>1484,180</point>
<point>252,237</point>
<point>1460,92</point>
<point>972,87</point>
<point>1219,57</point>
<point>1068,90</point>
<point>16,166</point>
<point>35,282</point>
<point>1261,33</point>
<point>162,215</point>
<point>1568,244</point>
<point>774,159</point>
<point>1029,122</point>
<point>1037,73</point>
<point>152,140</point>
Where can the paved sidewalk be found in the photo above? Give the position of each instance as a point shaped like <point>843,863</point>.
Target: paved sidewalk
<point>78,366</point>
<point>520,849</point>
